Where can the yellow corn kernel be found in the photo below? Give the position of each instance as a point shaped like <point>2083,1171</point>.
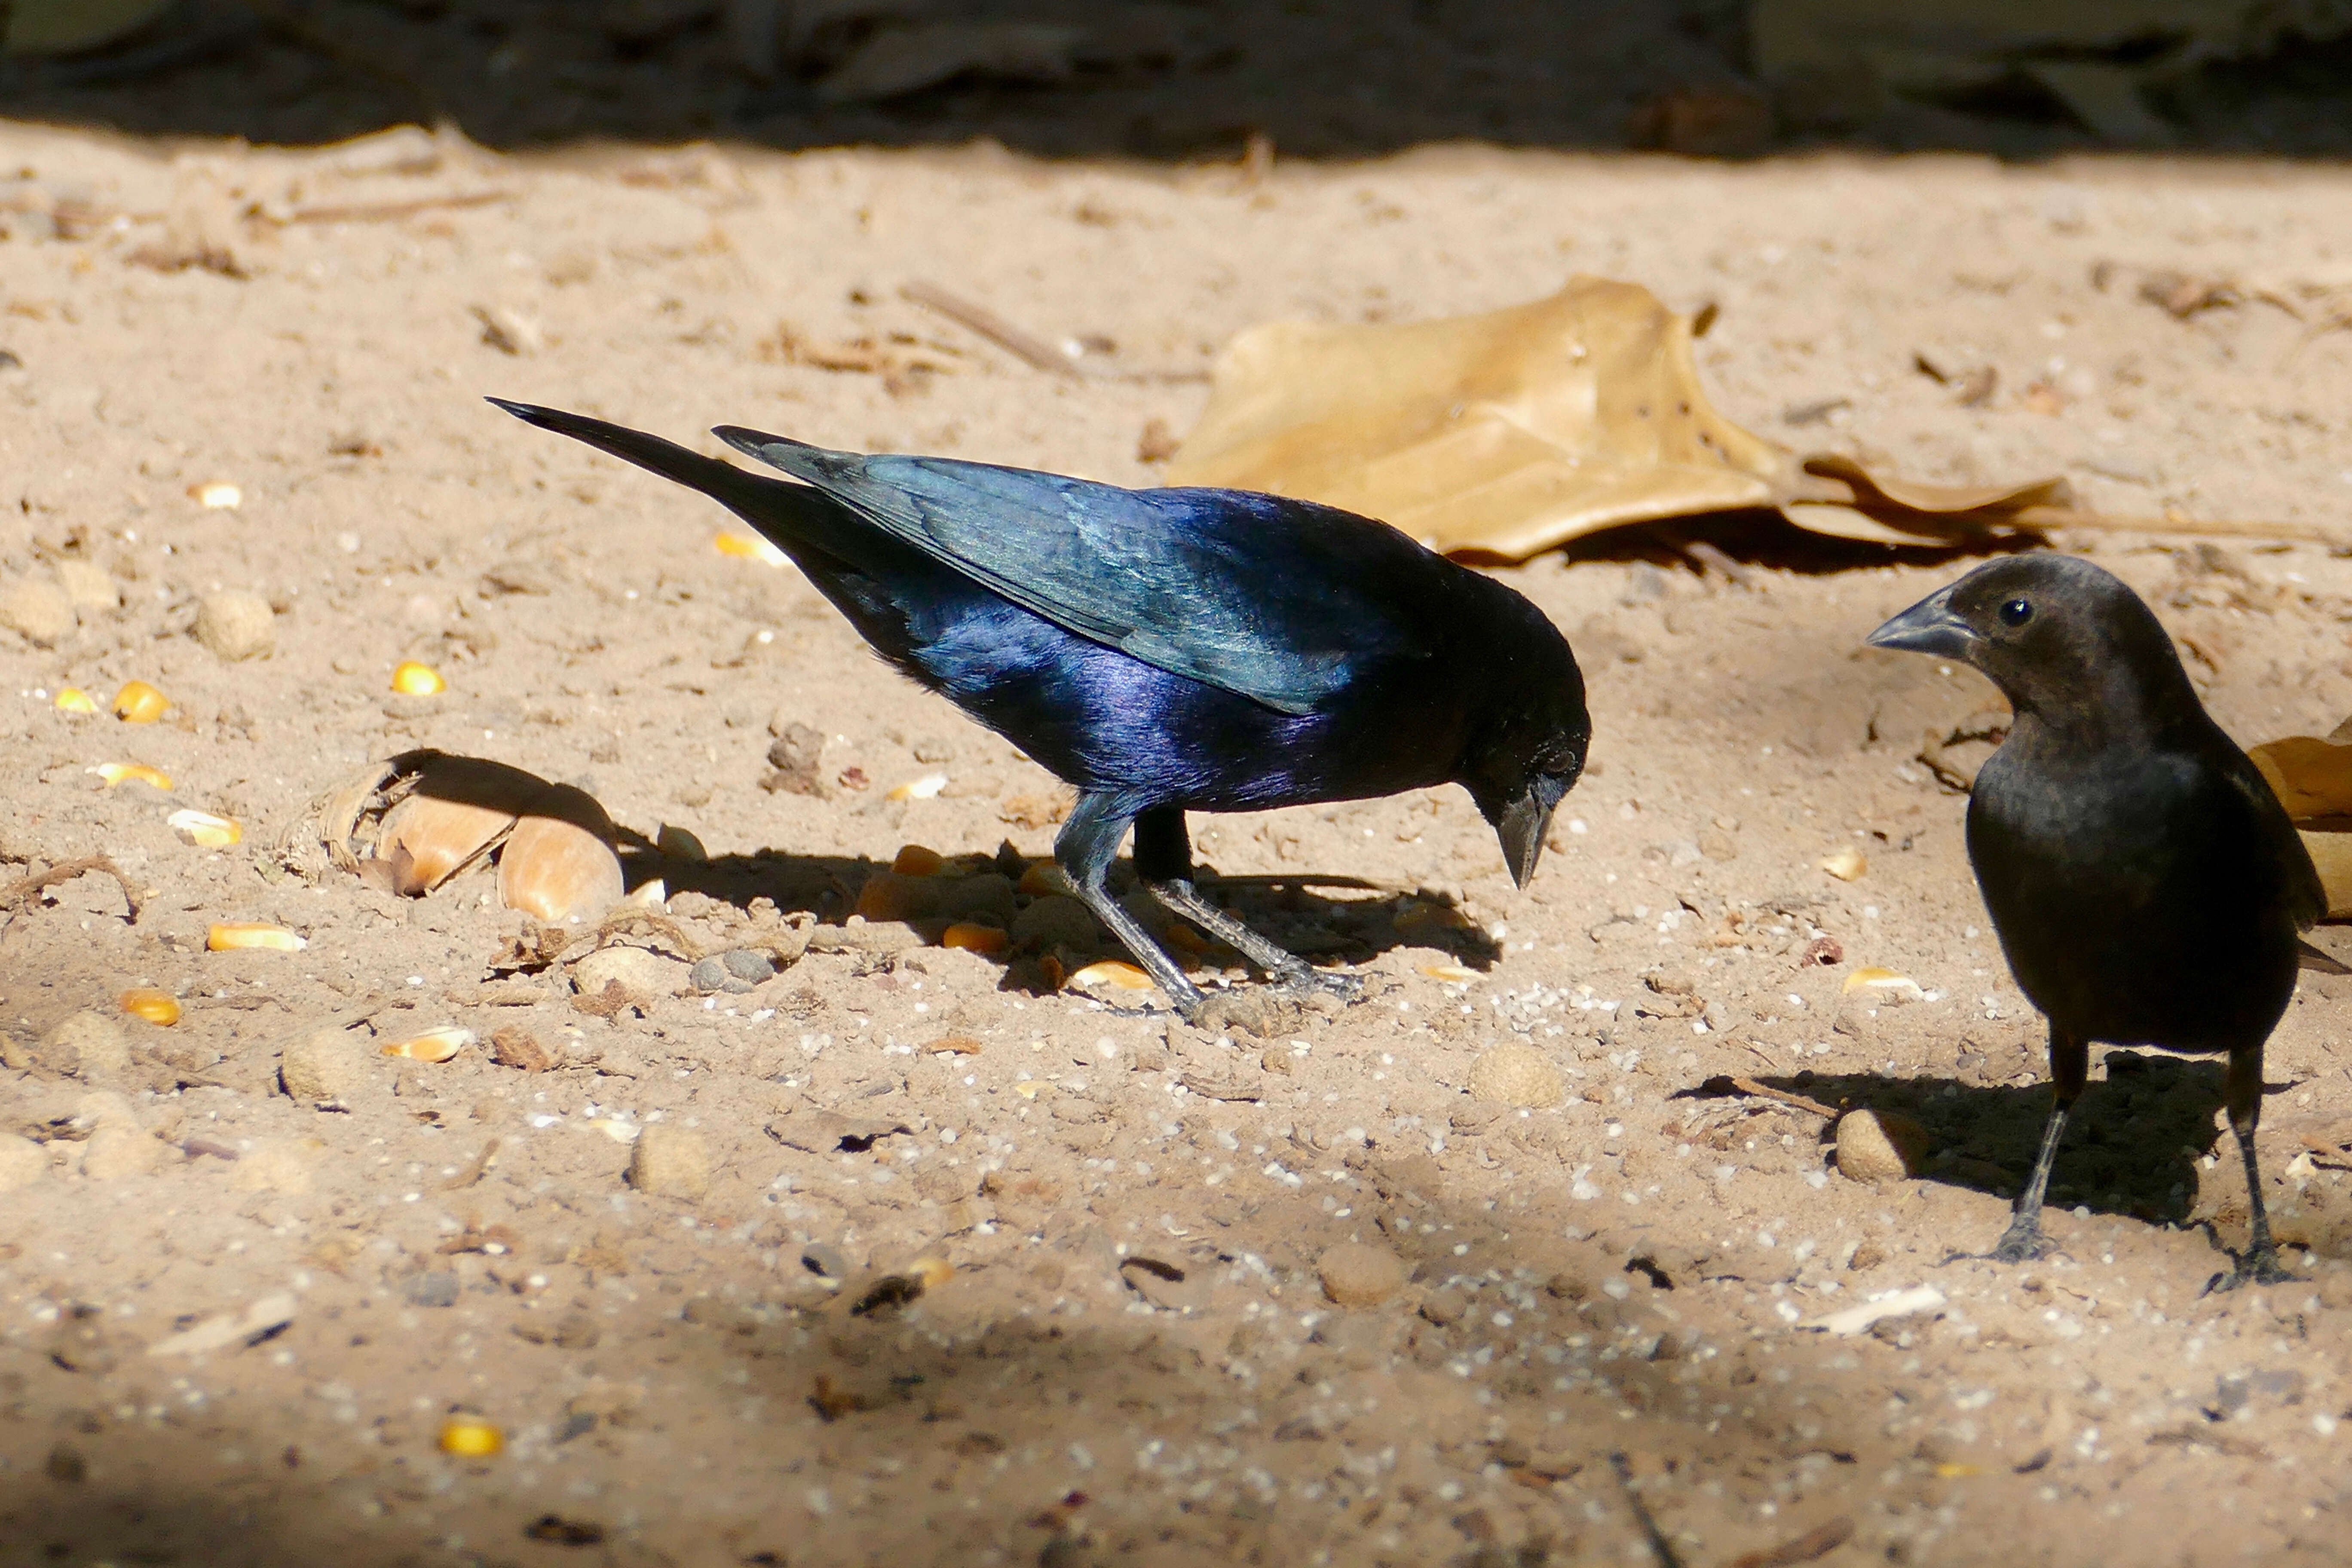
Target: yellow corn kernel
<point>914,860</point>
<point>432,1046</point>
<point>1043,879</point>
<point>972,937</point>
<point>923,788</point>
<point>749,547</point>
<point>470,1437</point>
<point>1029,1088</point>
<point>217,495</point>
<point>230,935</point>
<point>204,829</point>
<point>1845,864</point>
<point>74,700</point>
<point>411,678</point>
<point>1113,975</point>
<point>929,1272</point>
<point>157,1007</point>
<point>139,703</point>
<point>1452,974</point>
<point>133,773</point>
<point>1185,937</point>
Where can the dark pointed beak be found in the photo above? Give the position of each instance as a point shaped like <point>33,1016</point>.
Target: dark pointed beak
<point>1521,828</point>
<point>1930,627</point>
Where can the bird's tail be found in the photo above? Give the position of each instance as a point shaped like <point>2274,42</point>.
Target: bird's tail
<point>667,458</point>
<point>794,518</point>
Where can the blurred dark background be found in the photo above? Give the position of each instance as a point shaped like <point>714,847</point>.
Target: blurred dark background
<point>2017,78</point>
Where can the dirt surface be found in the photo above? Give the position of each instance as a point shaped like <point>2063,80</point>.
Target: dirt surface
<point>924,1262</point>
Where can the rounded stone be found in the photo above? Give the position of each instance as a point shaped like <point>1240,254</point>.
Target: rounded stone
<point>1356,1275</point>
<point>1880,1146</point>
<point>328,1067</point>
<point>117,1150</point>
<point>671,1161</point>
<point>22,1162</point>
<point>1514,1074</point>
<point>748,963</point>
<point>42,612</point>
<point>237,625</point>
<point>642,976</point>
<point>92,1047</point>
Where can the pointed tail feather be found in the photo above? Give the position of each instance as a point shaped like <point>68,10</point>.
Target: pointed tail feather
<point>794,518</point>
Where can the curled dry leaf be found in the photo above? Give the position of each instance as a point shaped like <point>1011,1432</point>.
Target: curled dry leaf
<point>413,821</point>
<point>2313,779</point>
<point>1507,433</point>
<point>425,840</point>
<point>558,863</point>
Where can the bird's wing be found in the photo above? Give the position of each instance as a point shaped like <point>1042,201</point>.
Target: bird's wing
<point>1279,601</point>
<point>2305,894</point>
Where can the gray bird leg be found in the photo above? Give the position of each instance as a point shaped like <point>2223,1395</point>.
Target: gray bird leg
<point>1085,849</point>
<point>1163,860</point>
<point>2069,1066</point>
<point>2242,1089</point>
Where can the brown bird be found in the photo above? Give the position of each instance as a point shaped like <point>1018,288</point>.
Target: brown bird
<point>2146,883</point>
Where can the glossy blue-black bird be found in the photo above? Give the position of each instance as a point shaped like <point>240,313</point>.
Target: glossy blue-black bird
<point>1168,650</point>
<point>2147,886</point>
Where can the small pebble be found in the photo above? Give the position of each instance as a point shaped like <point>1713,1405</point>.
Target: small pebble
<point>1880,1146</point>
<point>1356,1275</point>
<point>1514,1074</point>
<point>1444,1306</point>
<point>236,626</point>
<point>117,1150</point>
<point>437,1288</point>
<point>326,1068</point>
<point>22,1162</point>
<point>671,1161</point>
<point>643,976</point>
<point>42,612</point>
<point>748,963</point>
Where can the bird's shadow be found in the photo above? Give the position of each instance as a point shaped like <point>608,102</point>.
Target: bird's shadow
<point>1306,914</point>
<point>2133,1145</point>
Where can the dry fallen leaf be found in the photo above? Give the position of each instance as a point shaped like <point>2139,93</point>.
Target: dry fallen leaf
<point>1510,432</point>
<point>2313,779</point>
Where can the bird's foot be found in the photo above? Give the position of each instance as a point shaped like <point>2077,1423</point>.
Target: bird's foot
<point>1305,983</point>
<point>2256,1266</point>
<point>2023,1242</point>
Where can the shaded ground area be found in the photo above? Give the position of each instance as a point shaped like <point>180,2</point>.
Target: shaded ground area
<point>1145,80</point>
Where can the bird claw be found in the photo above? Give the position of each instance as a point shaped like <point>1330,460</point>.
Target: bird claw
<point>2020,1243</point>
<point>1303,982</point>
<point>2254,1267</point>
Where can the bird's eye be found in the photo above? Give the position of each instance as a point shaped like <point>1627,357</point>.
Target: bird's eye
<point>2017,612</point>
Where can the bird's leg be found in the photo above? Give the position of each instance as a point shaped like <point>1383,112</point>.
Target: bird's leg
<point>2070,1065</point>
<point>1085,848</point>
<point>2242,1088</point>
<point>1163,860</point>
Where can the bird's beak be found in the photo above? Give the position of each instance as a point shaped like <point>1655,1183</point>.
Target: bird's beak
<point>1928,626</point>
<point>1521,828</point>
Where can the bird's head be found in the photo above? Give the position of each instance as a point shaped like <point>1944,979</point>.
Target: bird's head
<point>2058,635</point>
<point>1531,751</point>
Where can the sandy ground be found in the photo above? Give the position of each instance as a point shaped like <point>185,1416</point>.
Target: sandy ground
<point>685,1375</point>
